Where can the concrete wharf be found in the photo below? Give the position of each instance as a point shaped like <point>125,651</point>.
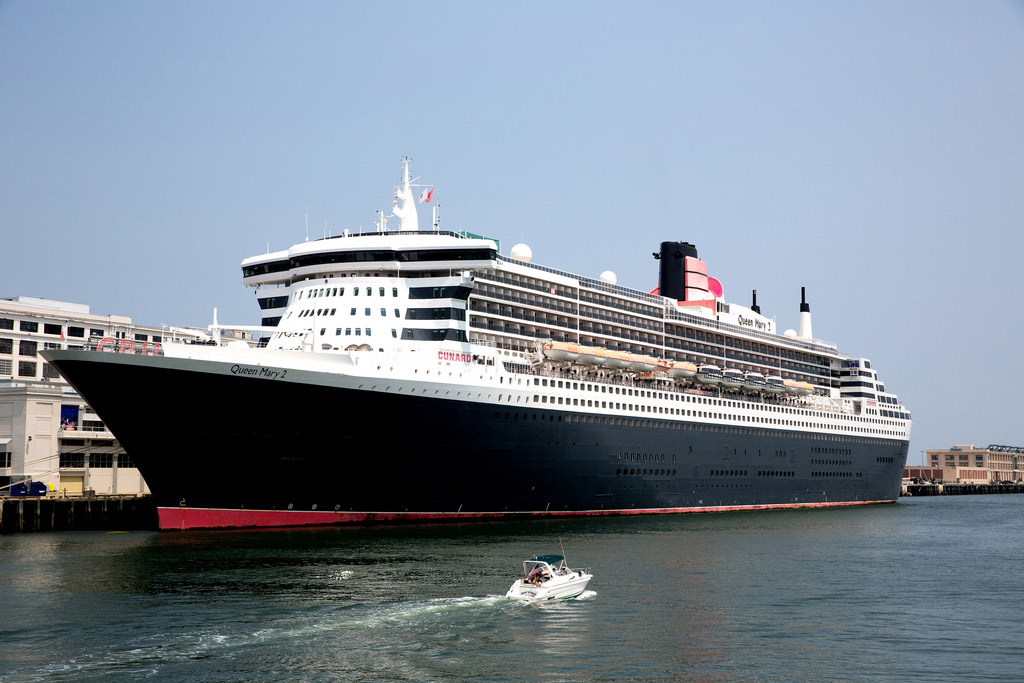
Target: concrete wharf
<point>104,513</point>
<point>960,489</point>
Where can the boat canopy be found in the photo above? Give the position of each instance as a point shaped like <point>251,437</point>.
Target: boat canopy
<point>550,559</point>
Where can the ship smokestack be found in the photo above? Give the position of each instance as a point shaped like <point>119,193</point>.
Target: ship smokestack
<point>754,307</point>
<point>805,316</point>
<point>681,272</point>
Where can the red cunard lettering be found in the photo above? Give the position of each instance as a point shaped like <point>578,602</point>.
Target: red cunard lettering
<point>454,356</point>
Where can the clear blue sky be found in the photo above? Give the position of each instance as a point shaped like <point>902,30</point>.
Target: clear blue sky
<point>870,151</point>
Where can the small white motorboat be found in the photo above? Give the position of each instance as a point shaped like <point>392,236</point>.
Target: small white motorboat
<point>547,577</point>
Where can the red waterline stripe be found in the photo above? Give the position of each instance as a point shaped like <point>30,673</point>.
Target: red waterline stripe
<point>180,519</point>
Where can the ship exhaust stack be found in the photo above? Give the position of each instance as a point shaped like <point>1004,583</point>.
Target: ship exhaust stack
<point>682,276</point>
<point>753,306</point>
<point>805,316</point>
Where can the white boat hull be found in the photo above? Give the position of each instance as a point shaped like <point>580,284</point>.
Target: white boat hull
<point>557,588</point>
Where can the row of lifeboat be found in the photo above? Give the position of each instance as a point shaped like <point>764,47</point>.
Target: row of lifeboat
<point>596,356</point>
<point>731,378</point>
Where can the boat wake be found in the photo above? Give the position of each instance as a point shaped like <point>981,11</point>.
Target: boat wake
<point>165,653</point>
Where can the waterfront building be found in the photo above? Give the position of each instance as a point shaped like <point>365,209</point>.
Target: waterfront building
<point>48,433</point>
<point>973,464</point>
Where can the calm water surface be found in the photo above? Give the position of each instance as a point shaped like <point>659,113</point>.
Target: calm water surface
<point>925,589</point>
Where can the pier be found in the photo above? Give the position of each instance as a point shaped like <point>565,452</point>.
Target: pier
<point>107,513</point>
<point>959,489</point>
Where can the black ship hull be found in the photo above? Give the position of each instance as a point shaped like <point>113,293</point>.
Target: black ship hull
<point>220,449</point>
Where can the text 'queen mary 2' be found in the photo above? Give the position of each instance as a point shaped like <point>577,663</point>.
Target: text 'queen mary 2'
<point>417,375</point>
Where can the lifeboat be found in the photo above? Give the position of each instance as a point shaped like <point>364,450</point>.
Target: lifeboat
<point>774,384</point>
<point>681,369</point>
<point>754,381</point>
<point>732,378</point>
<point>643,363</point>
<point>708,374</point>
<point>562,351</point>
<point>593,355</point>
<point>797,388</point>
<point>619,360</point>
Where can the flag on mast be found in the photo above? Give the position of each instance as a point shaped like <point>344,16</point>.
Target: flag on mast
<point>426,195</point>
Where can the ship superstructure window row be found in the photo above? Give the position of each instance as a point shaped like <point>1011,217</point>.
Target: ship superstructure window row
<point>444,334</point>
<point>460,292</point>
<point>434,314</point>
<point>369,256</point>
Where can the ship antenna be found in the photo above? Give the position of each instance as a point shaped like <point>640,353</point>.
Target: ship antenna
<point>307,223</point>
<point>563,551</point>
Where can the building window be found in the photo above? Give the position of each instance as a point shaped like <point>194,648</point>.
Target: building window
<point>76,331</point>
<point>26,369</point>
<point>50,328</point>
<point>124,460</point>
<point>101,460</point>
<point>140,337</point>
<point>6,346</point>
<point>28,326</point>
<point>6,324</point>
<point>50,372</point>
<point>5,367</point>
<point>93,332</point>
<point>5,456</point>
<point>76,460</point>
<point>27,348</point>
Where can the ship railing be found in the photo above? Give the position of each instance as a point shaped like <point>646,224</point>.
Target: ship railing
<point>138,347</point>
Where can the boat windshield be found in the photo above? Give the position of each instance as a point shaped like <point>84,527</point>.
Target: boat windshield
<point>542,563</point>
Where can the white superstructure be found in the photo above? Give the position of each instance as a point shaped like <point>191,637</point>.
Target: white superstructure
<point>422,298</point>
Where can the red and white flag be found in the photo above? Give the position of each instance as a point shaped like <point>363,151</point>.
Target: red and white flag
<point>426,195</point>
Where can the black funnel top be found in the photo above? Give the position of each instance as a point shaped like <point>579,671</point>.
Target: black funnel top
<point>671,277</point>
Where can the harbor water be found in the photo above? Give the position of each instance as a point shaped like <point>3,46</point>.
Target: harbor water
<point>924,589</point>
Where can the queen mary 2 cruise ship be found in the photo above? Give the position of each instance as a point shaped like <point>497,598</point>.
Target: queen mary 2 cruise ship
<point>411,375</point>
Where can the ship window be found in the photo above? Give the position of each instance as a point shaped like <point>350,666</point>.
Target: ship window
<point>348,331</point>
<point>369,291</point>
<point>358,332</point>
<point>398,314</point>
<point>337,331</point>
<point>394,333</point>
<point>323,331</point>
<point>355,291</point>
<point>367,331</point>
<point>381,291</point>
<point>383,312</point>
<point>352,312</point>
<point>333,311</point>
<point>366,311</point>
<point>394,291</point>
